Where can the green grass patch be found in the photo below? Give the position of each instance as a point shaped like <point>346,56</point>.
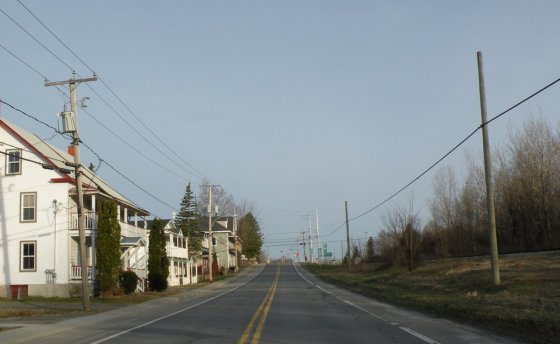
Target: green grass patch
<point>525,305</point>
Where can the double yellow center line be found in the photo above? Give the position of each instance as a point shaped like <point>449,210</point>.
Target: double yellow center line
<point>260,315</point>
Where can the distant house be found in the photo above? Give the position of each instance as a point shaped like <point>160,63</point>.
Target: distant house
<point>226,245</point>
<point>39,221</point>
<point>182,268</point>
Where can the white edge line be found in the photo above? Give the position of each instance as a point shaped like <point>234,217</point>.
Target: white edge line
<point>406,329</point>
<point>419,335</point>
<point>172,314</point>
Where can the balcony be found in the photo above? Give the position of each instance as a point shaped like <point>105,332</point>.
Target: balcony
<point>128,230</point>
<point>76,272</point>
<point>90,220</point>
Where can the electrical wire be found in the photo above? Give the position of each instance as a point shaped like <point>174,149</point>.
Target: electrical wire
<point>138,133</point>
<point>44,165</point>
<point>96,120</point>
<point>171,150</point>
<point>33,118</point>
<point>118,137</point>
<point>534,94</point>
<point>36,40</point>
<point>22,61</point>
<point>30,151</point>
<point>97,155</point>
<point>196,171</point>
<point>32,68</point>
<point>128,179</point>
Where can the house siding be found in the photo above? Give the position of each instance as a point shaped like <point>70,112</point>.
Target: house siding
<point>33,178</point>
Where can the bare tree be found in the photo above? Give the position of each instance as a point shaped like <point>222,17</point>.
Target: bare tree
<point>401,236</point>
<point>220,199</point>
<point>443,207</point>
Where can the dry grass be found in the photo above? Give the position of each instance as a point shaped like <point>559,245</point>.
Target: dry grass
<point>526,304</point>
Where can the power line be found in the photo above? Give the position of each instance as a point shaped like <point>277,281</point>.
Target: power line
<point>140,134</point>
<point>200,174</point>
<point>36,40</point>
<point>97,155</point>
<point>446,155</point>
<point>30,67</point>
<point>22,61</point>
<point>33,118</point>
<point>30,151</point>
<point>95,119</point>
<point>44,165</point>
<point>132,147</point>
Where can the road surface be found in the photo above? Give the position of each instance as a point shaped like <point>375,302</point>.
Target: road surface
<point>276,303</point>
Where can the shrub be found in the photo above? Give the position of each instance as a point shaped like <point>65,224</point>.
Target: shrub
<point>157,281</point>
<point>128,281</point>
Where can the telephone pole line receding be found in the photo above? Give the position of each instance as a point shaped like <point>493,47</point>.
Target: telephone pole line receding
<point>210,279</point>
<point>488,174</point>
<point>347,235</point>
<point>310,239</point>
<point>71,126</point>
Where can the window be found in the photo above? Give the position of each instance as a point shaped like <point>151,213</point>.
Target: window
<point>13,161</point>
<point>213,241</point>
<point>28,253</point>
<point>28,210</point>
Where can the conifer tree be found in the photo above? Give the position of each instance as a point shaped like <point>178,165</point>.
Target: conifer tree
<point>188,221</point>
<point>158,263</point>
<point>107,249</point>
<point>370,250</point>
<point>250,233</point>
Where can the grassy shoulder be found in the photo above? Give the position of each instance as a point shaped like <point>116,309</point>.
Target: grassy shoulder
<point>61,307</point>
<point>525,305</point>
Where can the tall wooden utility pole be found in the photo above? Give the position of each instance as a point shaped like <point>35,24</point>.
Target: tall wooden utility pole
<point>488,174</point>
<point>347,234</point>
<point>73,128</point>
<point>235,238</point>
<point>320,252</point>
<point>210,278</point>
<point>310,239</point>
<point>304,251</point>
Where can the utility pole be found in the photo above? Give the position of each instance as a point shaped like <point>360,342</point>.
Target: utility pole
<point>347,234</point>
<point>319,248</point>
<point>73,128</point>
<point>210,278</point>
<point>488,174</point>
<point>304,251</point>
<point>235,238</point>
<point>310,239</point>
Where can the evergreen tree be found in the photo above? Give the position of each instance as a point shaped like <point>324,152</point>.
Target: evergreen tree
<point>158,263</point>
<point>249,231</point>
<point>370,252</point>
<point>107,249</point>
<point>188,221</point>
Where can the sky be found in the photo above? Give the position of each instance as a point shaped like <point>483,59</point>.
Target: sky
<point>293,106</point>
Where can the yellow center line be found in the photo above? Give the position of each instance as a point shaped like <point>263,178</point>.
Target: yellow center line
<point>261,312</point>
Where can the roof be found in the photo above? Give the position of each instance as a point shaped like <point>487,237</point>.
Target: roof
<point>221,223</point>
<point>169,225</point>
<point>58,158</point>
<point>131,241</point>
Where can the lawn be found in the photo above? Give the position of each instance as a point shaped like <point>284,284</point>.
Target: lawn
<point>525,305</point>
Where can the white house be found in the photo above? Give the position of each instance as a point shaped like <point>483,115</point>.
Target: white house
<point>182,268</point>
<point>39,222</point>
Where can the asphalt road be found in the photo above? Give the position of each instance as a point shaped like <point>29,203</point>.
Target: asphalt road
<point>273,304</point>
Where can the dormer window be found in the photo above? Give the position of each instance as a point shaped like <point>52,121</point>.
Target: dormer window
<point>13,161</point>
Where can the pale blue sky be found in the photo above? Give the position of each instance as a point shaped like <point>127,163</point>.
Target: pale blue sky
<point>292,105</point>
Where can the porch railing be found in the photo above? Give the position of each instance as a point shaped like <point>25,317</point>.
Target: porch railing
<point>90,220</point>
<point>76,272</point>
